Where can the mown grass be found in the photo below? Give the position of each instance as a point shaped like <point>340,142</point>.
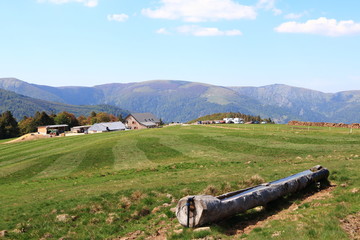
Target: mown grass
<point>122,183</point>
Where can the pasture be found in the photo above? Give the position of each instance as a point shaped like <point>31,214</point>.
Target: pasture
<point>118,184</point>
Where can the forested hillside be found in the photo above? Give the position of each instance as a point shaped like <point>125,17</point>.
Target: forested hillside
<point>21,106</point>
<point>182,101</point>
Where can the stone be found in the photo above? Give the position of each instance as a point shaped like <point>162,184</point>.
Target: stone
<point>3,233</point>
<point>202,229</point>
<point>63,218</point>
<point>178,231</point>
<point>155,210</point>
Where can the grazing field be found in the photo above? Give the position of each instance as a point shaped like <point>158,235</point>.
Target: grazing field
<point>124,184</point>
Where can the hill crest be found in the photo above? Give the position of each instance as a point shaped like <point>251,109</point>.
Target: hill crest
<point>178,100</point>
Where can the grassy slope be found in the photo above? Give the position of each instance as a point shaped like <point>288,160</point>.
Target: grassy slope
<point>109,182</point>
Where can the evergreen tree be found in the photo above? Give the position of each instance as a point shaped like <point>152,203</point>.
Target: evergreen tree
<point>42,119</point>
<point>93,114</point>
<point>120,117</point>
<point>2,130</point>
<point>8,126</point>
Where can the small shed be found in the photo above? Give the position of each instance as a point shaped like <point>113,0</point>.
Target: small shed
<point>106,127</point>
<point>80,129</point>
<point>52,129</point>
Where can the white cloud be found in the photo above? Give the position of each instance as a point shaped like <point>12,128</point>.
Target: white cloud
<point>162,31</point>
<point>206,32</point>
<point>321,26</point>
<point>88,3</point>
<point>294,15</point>
<point>269,5</point>
<point>118,17</point>
<point>200,10</point>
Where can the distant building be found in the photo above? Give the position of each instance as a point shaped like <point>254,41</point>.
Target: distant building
<point>52,129</point>
<point>141,121</point>
<point>106,127</point>
<point>80,129</point>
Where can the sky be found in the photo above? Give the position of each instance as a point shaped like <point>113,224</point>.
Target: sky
<point>309,43</point>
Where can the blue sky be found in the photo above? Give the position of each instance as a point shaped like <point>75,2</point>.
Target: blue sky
<point>309,43</point>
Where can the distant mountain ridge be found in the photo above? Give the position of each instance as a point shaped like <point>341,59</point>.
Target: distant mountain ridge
<point>183,101</point>
<point>21,106</point>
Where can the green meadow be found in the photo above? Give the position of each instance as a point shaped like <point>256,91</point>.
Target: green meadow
<point>111,185</point>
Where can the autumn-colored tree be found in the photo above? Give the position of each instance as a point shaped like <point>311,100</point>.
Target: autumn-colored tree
<point>102,117</point>
<point>66,118</point>
<point>27,125</point>
<point>82,120</point>
<point>113,118</point>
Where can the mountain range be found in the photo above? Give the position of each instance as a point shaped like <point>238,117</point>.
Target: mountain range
<point>21,106</point>
<point>182,101</point>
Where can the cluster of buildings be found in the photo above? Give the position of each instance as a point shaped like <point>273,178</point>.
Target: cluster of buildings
<point>230,120</point>
<point>132,121</point>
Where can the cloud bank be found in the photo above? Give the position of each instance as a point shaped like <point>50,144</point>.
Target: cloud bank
<point>206,31</point>
<point>87,3</point>
<point>321,26</point>
<point>200,10</point>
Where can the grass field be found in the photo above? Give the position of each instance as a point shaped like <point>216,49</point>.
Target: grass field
<point>109,185</point>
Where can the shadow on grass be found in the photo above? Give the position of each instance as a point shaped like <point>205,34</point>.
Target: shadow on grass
<point>238,224</point>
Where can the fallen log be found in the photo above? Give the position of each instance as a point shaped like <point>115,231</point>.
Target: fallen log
<point>195,211</point>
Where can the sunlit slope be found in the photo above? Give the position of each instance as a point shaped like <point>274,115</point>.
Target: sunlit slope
<point>41,179</point>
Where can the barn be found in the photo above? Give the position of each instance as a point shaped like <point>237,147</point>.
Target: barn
<point>106,127</point>
<point>52,129</point>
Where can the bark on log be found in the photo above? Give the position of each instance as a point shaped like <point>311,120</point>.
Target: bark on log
<point>205,209</point>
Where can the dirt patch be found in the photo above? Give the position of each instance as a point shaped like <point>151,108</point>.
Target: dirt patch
<point>27,137</point>
<point>131,236</point>
<point>351,225</point>
<point>324,124</point>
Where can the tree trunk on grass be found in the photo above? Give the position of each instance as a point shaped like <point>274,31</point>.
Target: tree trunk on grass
<point>205,209</point>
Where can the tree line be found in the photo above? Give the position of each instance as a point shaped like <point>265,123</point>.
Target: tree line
<point>10,128</point>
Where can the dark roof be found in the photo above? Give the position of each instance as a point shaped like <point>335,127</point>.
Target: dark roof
<point>145,117</point>
<point>78,127</point>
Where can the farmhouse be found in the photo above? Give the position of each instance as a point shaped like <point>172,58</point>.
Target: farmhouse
<point>52,129</point>
<point>141,121</point>
<point>106,127</point>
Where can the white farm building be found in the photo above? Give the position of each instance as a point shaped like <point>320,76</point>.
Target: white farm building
<point>106,127</point>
